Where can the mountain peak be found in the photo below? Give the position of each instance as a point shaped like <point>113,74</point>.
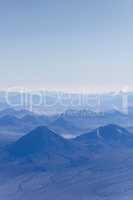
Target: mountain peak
<point>112,130</point>
<point>107,135</point>
<point>40,140</point>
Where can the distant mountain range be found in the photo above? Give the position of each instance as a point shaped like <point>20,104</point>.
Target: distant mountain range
<point>15,113</point>
<point>68,124</point>
<point>74,122</point>
<point>19,122</point>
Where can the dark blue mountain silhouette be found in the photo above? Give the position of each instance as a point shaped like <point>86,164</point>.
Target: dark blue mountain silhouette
<point>107,135</point>
<point>40,140</point>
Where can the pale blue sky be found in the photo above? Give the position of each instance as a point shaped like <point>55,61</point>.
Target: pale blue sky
<point>66,44</point>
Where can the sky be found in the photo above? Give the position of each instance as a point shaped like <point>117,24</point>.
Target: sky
<point>68,45</point>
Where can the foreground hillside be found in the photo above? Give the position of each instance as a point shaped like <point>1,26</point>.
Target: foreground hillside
<point>42,165</point>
